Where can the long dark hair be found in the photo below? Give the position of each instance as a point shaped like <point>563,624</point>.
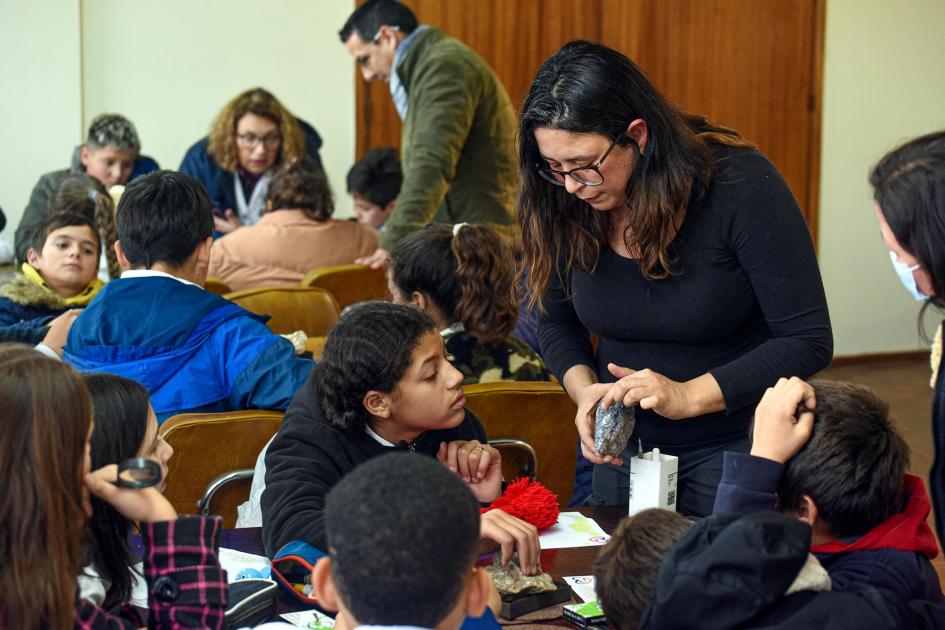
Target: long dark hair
<point>45,415</point>
<point>909,188</point>
<point>120,409</point>
<point>470,276</point>
<point>590,88</point>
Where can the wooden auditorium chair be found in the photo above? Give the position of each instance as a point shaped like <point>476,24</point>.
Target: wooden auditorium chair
<point>311,310</point>
<point>539,414</point>
<point>214,455</point>
<point>215,285</point>
<point>349,284</point>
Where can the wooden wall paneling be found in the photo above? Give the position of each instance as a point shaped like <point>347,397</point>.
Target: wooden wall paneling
<point>748,65</point>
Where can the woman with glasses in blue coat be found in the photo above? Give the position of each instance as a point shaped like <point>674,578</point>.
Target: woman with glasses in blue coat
<point>251,135</point>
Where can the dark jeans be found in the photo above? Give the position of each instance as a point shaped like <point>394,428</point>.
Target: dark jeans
<point>700,471</point>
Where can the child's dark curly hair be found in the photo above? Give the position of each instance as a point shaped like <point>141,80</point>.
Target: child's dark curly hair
<point>369,348</point>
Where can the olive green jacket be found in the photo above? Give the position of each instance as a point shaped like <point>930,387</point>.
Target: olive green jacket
<point>458,141</point>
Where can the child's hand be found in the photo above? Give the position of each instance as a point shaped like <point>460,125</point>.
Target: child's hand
<point>227,223</point>
<point>512,534</point>
<point>146,505</point>
<point>479,465</point>
<point>779,433</point>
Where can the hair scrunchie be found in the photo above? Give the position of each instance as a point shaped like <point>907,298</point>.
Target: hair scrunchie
<point>457,228</point>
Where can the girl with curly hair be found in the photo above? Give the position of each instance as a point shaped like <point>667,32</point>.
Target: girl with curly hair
<point>463,277</point>
<point>252,134</point>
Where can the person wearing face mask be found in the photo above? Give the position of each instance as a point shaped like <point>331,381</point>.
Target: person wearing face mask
<point>251,135</point>
<point>110,154</point>
<point>909,191</point>
<point>681,247</point>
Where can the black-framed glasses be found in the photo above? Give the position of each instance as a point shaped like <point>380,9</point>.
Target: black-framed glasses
<point>586,175</point>
<point>251,140</point>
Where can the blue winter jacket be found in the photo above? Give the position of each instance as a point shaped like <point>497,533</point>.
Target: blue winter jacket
<point>193,350</point>
<point>219,183</point>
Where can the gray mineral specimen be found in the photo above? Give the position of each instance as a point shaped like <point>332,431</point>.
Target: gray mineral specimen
<point>612,428</point>
<point>510,580</point>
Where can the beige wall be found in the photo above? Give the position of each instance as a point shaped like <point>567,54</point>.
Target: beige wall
<point>884,82</point>
<point>171,65</point>
<point>41,106</point>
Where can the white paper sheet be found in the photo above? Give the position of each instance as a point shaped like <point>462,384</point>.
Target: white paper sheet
<point>573,529</point>
<point>583,586</point>
<point>234,561</point>
<point>311,619</point>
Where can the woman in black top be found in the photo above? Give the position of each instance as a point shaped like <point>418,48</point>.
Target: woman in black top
<point>677,244</point>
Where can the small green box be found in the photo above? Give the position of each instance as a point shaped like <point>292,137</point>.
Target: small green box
<point>586,615</point>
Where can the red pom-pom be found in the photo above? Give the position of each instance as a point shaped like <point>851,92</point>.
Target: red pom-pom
<point>529,501</point>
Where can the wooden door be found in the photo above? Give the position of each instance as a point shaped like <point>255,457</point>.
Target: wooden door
<point>752,65</point>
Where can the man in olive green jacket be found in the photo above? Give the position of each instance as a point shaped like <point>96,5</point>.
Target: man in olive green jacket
<point>458,138</point>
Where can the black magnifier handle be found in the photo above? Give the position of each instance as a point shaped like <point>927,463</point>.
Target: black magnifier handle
<point>137,473</point>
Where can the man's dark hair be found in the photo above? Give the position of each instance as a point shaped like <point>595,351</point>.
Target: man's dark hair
<point>58,221</point>
<point>626,567</point>
<point>402,532</point>
<point>854,464</point>
<point>377,176</point>
<point>369,348</point>
<point>163,217</point>
<point>373,14</point>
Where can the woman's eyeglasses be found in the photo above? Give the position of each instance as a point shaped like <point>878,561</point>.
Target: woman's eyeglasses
<point>586,175</point>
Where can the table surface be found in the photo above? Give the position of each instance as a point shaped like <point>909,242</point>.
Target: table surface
<point>557,562</point>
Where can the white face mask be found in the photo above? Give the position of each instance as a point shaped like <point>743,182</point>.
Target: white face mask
<point>906,276</point>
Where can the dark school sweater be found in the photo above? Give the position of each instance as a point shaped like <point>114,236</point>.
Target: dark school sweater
<point>309,456</point>
<point>747,304</point>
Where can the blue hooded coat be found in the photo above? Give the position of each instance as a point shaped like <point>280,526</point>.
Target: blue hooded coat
<point>193,350</point>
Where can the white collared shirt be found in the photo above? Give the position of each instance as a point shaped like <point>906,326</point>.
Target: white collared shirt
<point>131,274</point>
<point>380,440</point>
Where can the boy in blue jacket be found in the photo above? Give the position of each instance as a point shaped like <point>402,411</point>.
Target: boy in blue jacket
<point>827,454</point>
<point>194,351</point>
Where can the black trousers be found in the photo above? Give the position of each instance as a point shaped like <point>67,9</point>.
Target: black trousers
<point>700,470</point>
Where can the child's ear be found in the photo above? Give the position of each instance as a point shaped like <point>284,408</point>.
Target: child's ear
<point>203,253</point>
<point>122,259</point>
<point>323,586</point>
<point>808,512</point>
<point>420,300</point>
<point>32,257</point>
<point>478,595</point>
<point>391,205</point>
<point>377,404</point>
<point>84,154</point>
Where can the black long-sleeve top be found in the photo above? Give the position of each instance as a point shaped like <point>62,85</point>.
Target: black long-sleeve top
<point>746,305</point>
<point>309,456</point>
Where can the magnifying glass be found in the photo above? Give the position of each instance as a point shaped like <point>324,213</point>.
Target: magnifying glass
<point>137,473</point>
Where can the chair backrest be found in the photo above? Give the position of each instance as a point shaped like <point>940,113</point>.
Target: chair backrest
<point>207,445</point>
<point>291,308</point>
<point>349,284</point>
<point>538,413</point>
<point>215,285</point>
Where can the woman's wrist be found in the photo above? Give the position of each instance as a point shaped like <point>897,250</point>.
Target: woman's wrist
<point>704,396</point>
